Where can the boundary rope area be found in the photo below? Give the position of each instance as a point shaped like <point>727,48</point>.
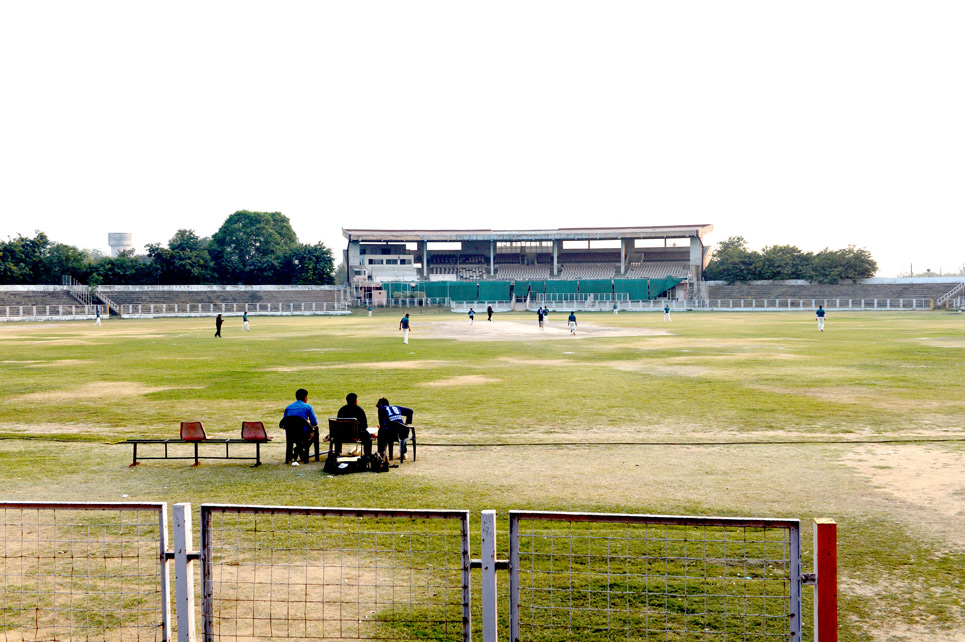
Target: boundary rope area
<point>803,442</point>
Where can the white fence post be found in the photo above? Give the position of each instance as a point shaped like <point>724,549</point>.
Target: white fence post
<point>184,572</point>
<point>487,554</point>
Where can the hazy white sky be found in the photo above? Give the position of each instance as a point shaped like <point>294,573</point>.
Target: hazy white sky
<point>818,124</point>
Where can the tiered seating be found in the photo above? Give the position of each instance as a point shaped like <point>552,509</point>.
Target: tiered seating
<point>471,272</point>
<point>658,270</point>
<point>212,299</point>
<point>523,272</point>
<point>590,257</point>
<point>843,291</point>
<point>32,298</point>
<point>587,271</point>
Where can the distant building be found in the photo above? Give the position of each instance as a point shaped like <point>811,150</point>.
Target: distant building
<point>120,242</point>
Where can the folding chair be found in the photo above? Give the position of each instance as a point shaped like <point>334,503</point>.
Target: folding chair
<point>402,440</point>
<point>299,436</point>
<point>342,430</point>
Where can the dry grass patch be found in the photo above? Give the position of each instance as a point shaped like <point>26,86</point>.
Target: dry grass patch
<point>100,390</point>
<point>464,380</point>
<point>375,365</point>
<point>513,330</point>
<point>928,483</point>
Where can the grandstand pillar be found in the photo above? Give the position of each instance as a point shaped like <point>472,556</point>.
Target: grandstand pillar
<point>556,254</point>
<point>623,257</point>
<point>492,257</point>
<point>696,257</point>
<point>425,259</point>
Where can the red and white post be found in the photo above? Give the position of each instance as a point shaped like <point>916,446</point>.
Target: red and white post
<point>826,585</point>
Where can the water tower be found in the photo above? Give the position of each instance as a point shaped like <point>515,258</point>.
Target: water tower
<point>119,242</point>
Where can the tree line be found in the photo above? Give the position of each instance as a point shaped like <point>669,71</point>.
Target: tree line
<point>733,262</point>
<point>250,248</point>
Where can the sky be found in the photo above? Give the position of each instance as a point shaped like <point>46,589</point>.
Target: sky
<point>818,124</point>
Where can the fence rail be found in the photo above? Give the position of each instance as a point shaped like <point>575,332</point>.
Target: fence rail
<point>334,573</point>
<point>648,577</point>
<point>772,305</point>
<point>99,571</point>
<point>92,571</point>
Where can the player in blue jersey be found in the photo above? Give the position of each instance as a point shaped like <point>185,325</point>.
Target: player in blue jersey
<point>666,313</point>
<point>819,314</point>
<point>571,321</point>
<point>404,326</point>
<point>392,425</point>
<point>539,316</point>
<point>472,315</point>
<point>244,322</point>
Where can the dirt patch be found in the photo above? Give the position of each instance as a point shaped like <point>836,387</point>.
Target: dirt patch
<point>52,429</point>
<point>377,365</point>
<point>465,380</point>
<point>538,362</point>
<point>658,370</point>
<point>506,330</point>
<point>944,342</point>
<point>100,390</point>
<point>859,396</point>
<point>928,481</point>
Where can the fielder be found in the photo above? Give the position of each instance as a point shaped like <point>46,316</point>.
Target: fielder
<point>404,326</point>
<point>819,315</point>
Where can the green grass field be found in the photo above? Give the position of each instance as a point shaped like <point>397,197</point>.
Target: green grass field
<point>753,414</point>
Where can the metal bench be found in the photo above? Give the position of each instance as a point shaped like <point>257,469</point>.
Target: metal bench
<point>192,432</point>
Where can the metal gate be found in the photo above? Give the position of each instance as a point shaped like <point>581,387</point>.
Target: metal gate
<point>580,576</point>
<point>278,572</point>
<point>90,571</point>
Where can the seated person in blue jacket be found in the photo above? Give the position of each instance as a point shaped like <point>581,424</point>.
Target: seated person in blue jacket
<point>300,433</point>
<point>392,420</point>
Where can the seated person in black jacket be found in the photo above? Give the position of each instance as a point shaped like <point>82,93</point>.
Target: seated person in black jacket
<point>391,426</point>
<point>352,410</point>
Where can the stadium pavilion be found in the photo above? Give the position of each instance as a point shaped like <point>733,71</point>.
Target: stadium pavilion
<point>569,264</point>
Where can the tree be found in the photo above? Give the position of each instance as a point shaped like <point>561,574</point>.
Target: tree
<point>123,269</point>
<point>309,265</point>
<point>783,262</point>
<point>341,274</point>
<point>832,266</point>
<point>857,263</point>
<point>61,259</point>
<point>185,261</point>
<point>250,247</point>
<point>732,262</point>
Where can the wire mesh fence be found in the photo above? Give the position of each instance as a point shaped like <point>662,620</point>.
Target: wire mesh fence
<point>83,572</point>
<point>303,573</point>
<point>636,577</point>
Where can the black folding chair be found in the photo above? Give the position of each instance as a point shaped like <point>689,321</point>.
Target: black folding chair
<point>299,436</point>
<point>342,430</point>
